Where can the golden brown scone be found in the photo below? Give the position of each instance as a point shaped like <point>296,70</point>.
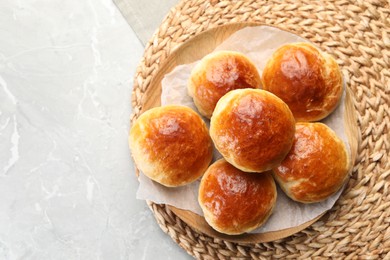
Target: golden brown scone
<point>252,129</point>
<point>308,80</point>
<point>317,165</point>
<point>171,145</point>
<point>218,73</point>
<point>233,201</point>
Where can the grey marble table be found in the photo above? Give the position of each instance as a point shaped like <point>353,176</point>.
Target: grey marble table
<point>67,184</point>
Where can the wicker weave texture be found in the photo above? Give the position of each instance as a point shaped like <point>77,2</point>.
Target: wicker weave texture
<point>357,34</point>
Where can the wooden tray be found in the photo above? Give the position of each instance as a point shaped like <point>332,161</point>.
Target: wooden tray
<point>192,50</point>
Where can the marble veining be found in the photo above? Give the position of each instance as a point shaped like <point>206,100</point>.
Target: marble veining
<point>67,184</point>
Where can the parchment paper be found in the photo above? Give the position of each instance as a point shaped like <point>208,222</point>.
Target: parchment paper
<point>258,43</point>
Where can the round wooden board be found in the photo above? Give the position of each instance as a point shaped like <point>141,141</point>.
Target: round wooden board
<point>192,50</point>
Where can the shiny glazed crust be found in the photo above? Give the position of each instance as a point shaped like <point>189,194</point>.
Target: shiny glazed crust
<point>308,80</point>
<point>171,145</point>
<point>234,202</point>
<point>317,165</point>
<point>218,73</point>
<point>253,129</point>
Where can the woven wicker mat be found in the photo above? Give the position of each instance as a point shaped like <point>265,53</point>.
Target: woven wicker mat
<point>356,33</point>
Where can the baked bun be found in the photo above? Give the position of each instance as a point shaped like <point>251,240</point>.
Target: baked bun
<point>171,145</point>
<point>252,129</point>
<point>218,73</point>
<point>308,80</point>
<point>233,201</point>
<point>317,165</point>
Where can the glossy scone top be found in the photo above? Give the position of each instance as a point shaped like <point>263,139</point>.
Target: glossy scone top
<point>171,145</point>
<point>308,80</point>
<point>317,165</point>
<point>234,202</point>
<point>218,73</point>
<point>253,129</point>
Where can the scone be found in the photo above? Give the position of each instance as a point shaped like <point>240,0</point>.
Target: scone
<point>218,73</point>
<point>171,145</point>
<point>308,80</point>
<point>317,165</point>
<point>252,129</point>
<point>234,202</point>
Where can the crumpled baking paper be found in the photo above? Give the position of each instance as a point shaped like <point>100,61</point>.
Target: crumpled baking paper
<point>257,43</point>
